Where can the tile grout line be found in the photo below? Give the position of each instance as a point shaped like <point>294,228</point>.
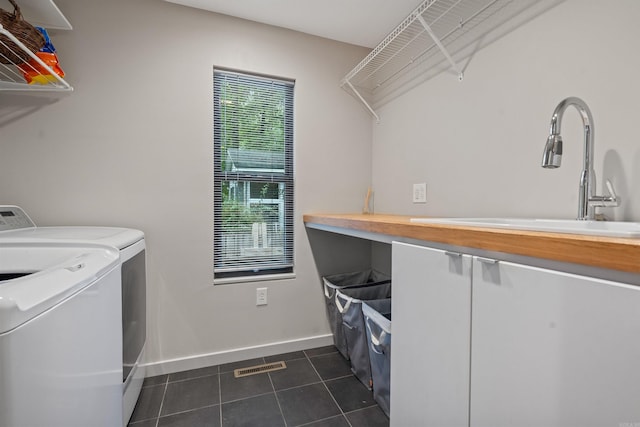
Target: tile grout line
<point>340,378</point>
<point>188,410</point>
<point>306,357</point>
<point>219,395</point>
<point>192,378</point>
<point>164,393</point>
<point>299,386</point>
<point>275,394</point>
<point>344,414</point>
<point>322,419</point>
<point>219,403</point>
<point>329,391</point>
<point>336,402</point>
<point>276,391</point>
<point>374,405</point>
<point>246,398</point>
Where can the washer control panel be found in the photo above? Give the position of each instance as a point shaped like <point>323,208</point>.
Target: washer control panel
<point>13,218</point>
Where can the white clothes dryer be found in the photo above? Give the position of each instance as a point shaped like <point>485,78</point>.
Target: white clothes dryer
<point>16,226</point>
<point>60,336</point>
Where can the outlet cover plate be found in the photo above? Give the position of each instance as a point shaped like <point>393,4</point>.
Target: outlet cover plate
<point>261,296</point>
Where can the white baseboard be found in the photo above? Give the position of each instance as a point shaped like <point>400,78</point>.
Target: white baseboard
<point>235,355</point>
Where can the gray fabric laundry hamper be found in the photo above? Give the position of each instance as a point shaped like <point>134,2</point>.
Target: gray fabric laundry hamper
<point>354,280</point>
<point>377,315</point>
<point>349,303</point>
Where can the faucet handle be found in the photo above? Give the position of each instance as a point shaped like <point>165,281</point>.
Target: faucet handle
<point>612,200</point>
<point>612,192</point>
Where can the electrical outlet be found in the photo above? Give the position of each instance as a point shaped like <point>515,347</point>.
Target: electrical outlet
<point>420,193</point>
<point>261,296</point>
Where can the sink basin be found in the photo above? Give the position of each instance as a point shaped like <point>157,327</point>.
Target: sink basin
<point>594,228</point>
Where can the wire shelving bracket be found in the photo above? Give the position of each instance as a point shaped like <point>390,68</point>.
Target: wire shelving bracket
<point>443,49</point>
<point>436,37</point>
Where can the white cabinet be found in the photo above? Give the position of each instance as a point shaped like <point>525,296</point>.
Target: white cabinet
<point>486,343</point>
<point>431,301</point>
<point>553,349</point>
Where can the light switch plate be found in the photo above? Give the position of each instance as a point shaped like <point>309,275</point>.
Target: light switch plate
<point>420,193</point>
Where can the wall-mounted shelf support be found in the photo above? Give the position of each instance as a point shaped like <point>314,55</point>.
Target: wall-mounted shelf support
<point>443,49</point>
<point>364,101</point>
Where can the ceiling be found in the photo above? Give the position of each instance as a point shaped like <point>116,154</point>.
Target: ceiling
<point>360,22</point>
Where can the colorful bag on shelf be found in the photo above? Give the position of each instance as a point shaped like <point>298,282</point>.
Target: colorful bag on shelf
<point>33,72</point>
<point>26,33</point>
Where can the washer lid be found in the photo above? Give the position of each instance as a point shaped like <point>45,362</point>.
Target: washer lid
<point>111,236</point>
<point>15,226</point>
<point>57,272</point>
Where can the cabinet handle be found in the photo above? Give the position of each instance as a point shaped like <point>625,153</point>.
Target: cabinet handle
<point>487,260</point>
<point>453,254</point>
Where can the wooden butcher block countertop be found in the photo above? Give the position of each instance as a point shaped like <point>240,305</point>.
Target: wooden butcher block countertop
<point>615,253</point>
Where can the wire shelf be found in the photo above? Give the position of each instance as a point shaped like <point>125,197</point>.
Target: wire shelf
<point>437,36</point>
<point>11,73</point>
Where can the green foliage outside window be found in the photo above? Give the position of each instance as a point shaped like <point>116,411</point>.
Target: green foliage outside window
<point>255,116</point>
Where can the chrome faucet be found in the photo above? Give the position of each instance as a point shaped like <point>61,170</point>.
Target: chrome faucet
<point>552,159</point>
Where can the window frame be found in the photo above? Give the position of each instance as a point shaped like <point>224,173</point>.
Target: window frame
<point>257,271</point>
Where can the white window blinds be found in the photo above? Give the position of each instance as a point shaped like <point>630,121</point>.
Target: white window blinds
<point>253,175</point>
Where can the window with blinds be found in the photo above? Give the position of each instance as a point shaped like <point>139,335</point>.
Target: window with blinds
<point>253,175</point>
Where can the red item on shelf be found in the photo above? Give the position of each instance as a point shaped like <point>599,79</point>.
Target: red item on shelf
<point>34,73</point>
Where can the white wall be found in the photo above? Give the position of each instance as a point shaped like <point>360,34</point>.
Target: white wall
<point>478,143</point>
<point>132,146</point>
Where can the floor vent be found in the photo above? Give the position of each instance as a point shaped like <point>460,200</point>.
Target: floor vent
<point>259,369</point>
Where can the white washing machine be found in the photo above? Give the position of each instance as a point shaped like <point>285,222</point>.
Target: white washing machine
<point>60,336</point>
<point>16,226</point>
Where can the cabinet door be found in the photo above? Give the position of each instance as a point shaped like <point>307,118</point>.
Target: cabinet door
<point>553,349</point>
<point>430,305</point>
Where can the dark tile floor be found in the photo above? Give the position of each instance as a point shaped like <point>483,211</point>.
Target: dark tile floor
<point>317,389</point>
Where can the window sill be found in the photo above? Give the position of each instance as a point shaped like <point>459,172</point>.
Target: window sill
<point>247,279</point>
